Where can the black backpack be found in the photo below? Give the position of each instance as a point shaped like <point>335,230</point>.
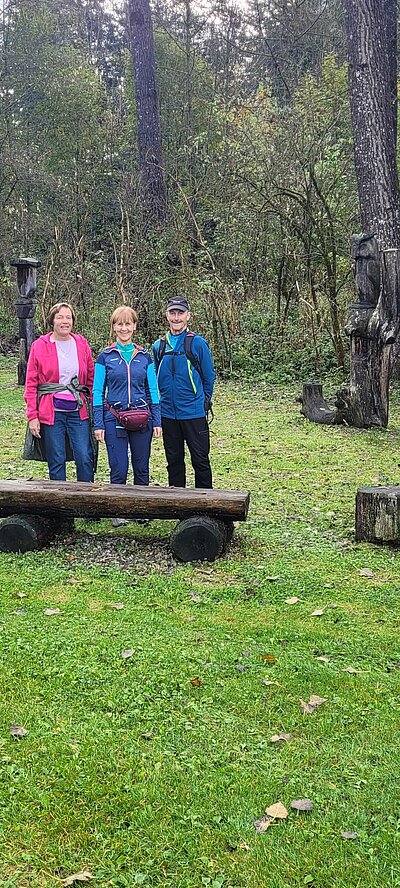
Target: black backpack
<point>188,351</point>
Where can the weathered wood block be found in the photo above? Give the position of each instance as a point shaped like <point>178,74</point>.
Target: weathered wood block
<point>378,514</point>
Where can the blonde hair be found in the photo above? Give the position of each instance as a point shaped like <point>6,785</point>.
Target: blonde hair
<point>55,309</point>
<point>118,315</point>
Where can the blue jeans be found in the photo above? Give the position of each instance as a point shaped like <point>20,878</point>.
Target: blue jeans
<point>117,442</point>
<point>77,430</point>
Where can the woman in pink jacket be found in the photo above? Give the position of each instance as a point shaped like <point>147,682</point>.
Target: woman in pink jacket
<point>60,363</point>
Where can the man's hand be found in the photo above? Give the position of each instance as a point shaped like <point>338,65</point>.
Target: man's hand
<point>99,435</point>
<point>157,432</point>
<point>34,426</point>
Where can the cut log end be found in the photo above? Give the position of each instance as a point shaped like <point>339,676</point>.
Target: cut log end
<point>200,538</point>
<point>27,533</point>
<point>378,515</point>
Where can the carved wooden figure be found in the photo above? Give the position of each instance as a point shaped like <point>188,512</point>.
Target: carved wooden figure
<point>25,308</point>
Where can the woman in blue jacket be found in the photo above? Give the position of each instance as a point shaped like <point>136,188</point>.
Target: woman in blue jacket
<point>125,378</point>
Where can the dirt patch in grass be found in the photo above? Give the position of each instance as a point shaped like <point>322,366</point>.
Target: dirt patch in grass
<point>141,555</point>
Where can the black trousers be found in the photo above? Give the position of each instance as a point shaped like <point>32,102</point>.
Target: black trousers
<point>197,436</point>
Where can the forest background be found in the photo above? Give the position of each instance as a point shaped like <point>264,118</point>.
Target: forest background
<point>258,164</point>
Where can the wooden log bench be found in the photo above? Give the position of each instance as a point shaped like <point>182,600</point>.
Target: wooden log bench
<point>378,514</point>
<point>35,511</point>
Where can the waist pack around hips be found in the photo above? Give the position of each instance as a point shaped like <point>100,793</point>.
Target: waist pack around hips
<point>132,420</point>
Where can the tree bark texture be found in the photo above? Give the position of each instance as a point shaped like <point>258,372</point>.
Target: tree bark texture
<point>372,65</point>
<point>378,514</point>
<point>148,115</point>
<point>372,324</point>
<point>66,499</point>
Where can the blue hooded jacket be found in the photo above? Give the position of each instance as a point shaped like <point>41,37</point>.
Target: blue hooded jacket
<point>182,390</point>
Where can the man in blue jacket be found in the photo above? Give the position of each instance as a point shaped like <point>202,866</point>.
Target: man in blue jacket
<point>186,377</point>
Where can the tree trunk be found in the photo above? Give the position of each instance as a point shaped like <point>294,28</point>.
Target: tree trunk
<point>148,115</point>
<point>373,323</point>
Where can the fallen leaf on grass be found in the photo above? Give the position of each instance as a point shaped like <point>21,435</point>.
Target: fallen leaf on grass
<point>302,804</point>
<point>314,701</point>
<point>317,613</point>
<point>345,834</point>
<point>18,732</point>
<point>117,605</point>
<point>21,594</point>
<point>196,682</point>
<point>276,738</point>
<point>268,658</point>
<point>268,681</point>
<point>277,811</point>
<point>292,600</point>
<point>262,824</point>
<point>306,708</point>
<point>351,670</point>
<point>20,612</point>
<point>51,611</point>
<point>323,659</point>
<point>82,876</point>
<point>128,652</point>
<point>271,579</point>
<point>366,572</point>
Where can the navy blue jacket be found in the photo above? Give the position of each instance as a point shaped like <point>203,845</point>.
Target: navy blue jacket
<point>182,390</point>
<point>124,384</point>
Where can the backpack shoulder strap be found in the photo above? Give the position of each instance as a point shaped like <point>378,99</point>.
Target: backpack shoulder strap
<point>161,348</point>
<point>188,347</point>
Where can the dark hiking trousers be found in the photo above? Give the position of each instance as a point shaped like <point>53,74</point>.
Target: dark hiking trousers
<point>197,436</point>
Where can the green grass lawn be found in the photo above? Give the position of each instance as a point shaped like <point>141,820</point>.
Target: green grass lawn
<point>150,770</point>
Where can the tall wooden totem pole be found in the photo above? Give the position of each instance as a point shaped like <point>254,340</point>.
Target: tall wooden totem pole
<point>25,307</point>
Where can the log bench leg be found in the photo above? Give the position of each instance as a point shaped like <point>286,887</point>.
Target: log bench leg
<point>200,538</point>
<point>27,533</point>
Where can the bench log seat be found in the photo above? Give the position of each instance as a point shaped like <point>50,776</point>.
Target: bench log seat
<point>203,533</point>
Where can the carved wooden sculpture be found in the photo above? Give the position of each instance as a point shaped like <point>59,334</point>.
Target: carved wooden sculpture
<point>25,308</point>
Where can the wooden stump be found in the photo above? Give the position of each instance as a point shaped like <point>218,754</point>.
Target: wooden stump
<point>199,538</point>
<point>314,407</point>
<point>27,533</point>
<point>378,514</point>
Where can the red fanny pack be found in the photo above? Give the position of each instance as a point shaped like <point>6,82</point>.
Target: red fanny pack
<point>133,420</point>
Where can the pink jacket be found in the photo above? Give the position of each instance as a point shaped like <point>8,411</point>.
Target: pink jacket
<point>43,367</point>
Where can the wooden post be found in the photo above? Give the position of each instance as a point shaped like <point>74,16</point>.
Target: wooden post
<point>25,308</point>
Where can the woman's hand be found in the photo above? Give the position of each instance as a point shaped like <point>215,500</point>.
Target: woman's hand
<point>34,427</point>
<point>99,435</point>
<point>157,432</point>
